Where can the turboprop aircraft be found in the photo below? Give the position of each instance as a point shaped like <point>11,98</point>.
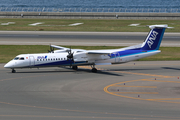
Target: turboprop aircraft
<point>78,57</point>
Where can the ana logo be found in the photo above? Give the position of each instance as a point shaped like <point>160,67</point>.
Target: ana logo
<point>151,39</point>
<point>41,57</point>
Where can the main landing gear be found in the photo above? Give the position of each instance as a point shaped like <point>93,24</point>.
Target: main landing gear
<point>74,67</point>
<point>94,70</point>
<point>13,71</point>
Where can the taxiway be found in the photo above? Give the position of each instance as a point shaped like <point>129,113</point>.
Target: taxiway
<point>135,90</point>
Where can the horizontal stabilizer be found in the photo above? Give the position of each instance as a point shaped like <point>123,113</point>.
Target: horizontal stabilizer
<point>158,26</point>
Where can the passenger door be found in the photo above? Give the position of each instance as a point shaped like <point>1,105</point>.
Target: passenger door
<point>31,61</point>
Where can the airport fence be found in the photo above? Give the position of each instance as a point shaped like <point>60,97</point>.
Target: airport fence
<point>103,10</point>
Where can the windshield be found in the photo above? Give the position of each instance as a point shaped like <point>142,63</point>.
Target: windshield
<point>16,58</point>
<point>19,58</point>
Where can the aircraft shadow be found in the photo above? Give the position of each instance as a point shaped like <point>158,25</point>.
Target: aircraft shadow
<point>107,73</point>
<point>99,72</point>
<point>129,69</point>
<point>111,72</point>
<point>171,68</point>
<point>41,71</point>
<point>69,70</point>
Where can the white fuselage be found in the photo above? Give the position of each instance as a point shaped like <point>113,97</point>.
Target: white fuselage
<point>60,59</point>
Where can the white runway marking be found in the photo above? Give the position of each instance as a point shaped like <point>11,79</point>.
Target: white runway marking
<point>8,23</point>
<point>75,24</point>
<point>35,24</point>
<point>134,24</point>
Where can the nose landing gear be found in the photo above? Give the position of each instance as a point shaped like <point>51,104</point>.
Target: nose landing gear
<point>13,71</point>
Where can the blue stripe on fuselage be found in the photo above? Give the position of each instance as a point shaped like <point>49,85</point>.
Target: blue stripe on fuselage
<point>59,63</point>
<point>130,52</point>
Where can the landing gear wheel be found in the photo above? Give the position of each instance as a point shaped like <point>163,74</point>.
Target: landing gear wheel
<point>13,71</point>
<point>94,70</point>
<point>74,67</point>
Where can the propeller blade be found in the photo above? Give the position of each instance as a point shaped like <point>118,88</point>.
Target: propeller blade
<point>70,54</point>
<point>51,49</point>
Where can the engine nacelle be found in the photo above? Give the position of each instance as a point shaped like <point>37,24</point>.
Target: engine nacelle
<point>80,57</point>
<point>60,51</point>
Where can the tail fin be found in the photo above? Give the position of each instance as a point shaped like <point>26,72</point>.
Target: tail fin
<point>154,37</point>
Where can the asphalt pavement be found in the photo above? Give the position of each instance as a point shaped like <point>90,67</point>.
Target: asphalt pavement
<point>134,90</point>
<point>82,38</point>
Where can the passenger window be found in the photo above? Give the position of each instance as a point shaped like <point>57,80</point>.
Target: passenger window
<point>61,58</point>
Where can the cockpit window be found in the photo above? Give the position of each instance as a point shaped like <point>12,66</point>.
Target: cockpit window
<point>21,58</point>
<point>16,58</point>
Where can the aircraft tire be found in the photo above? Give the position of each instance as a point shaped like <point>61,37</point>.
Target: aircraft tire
<point>74,67</point>
<point>13,71</point>
<point>94,70</point>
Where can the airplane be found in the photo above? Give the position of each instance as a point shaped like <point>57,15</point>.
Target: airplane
<point>79,57</point>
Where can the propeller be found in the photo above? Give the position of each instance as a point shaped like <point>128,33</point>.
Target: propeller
<point>70,56</point>
<point>51,49</point>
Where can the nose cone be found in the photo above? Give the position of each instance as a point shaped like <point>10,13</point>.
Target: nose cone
<point>9,65</point>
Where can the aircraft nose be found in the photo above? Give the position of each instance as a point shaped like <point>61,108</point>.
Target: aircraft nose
<point>9,65</point>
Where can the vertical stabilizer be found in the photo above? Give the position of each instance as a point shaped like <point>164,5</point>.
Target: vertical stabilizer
<point>154,37</point>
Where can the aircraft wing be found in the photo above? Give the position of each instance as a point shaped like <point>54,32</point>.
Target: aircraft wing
<point>99,53</point>
<point>59,47</point>
<point>107,52</point>
<point>64,49</point>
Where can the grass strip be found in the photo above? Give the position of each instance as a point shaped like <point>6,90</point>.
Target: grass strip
<point>95,25</point>
<point>8,52</point>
